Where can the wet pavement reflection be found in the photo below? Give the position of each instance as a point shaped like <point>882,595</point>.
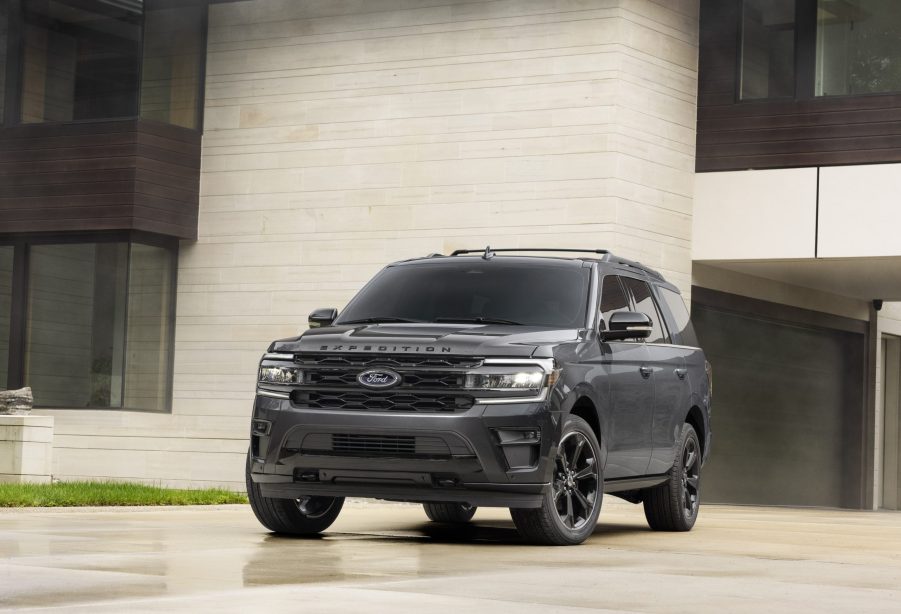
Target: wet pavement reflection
<point>219,557</point>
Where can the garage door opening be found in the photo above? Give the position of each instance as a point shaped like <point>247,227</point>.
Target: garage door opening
<point>788,403</point>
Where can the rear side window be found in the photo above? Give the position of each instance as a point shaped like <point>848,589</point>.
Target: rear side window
<point>681,319</point>
<point>613,298</point>
<point>644,303</point>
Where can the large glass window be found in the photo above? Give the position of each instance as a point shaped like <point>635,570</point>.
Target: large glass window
<point>858,47</point>
<point>81,59</point>
<point>767,49</point>
<point>149,347</point>
<point>6,279</point>
<point>106,59</point>
<point>98,325</point>
<point>171,72</point>
<point>4,42</point>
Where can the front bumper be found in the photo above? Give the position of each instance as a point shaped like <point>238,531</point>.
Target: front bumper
<point>468,457</point>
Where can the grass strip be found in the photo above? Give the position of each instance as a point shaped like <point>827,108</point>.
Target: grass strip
<point>80,494</point>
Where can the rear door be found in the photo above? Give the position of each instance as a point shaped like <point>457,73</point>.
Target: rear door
<point>667,364</point>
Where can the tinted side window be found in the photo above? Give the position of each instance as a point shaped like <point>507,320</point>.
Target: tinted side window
<point>644,303</point>
<point>680,316</point>
<point>613,298</point>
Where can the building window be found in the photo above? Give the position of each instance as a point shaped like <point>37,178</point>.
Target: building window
<point>97,324</point>
<point>105,59</point>
<point>171,71</point>
<point>4,44</point>
<point>6,292</point>
<point>858,49</point>
<point>80,60</point>
<point>767,49</point>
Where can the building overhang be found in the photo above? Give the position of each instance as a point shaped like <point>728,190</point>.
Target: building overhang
<point>859,278</point>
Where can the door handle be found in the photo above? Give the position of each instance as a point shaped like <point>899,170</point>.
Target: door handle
<point>680,372</point>
<point>645,371</point>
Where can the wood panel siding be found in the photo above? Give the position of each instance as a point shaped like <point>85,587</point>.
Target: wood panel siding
<point>110,175</point>
<point>734,135</point>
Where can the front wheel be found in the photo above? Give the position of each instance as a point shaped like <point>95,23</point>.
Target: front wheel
<point>674,505</point>
<point>304,516</point>
<point>569,511</point>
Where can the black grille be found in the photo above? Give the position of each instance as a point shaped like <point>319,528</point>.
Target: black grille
<point>374,401</point>
<point>387,360</point>
<point>395,446</point>
<point>337,378</point>
<point>429,383</point>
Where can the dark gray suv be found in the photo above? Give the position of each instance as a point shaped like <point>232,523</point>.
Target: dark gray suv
<point>488,379</point>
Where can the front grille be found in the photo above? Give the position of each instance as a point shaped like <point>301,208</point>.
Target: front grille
<point>387,360</point>
<point>391,446</point>
<point>381,401</point>
<point>337,378</point>
<point>428,383</point>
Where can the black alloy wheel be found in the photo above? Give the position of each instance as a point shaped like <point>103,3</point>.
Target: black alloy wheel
<point>576,481</point>
<point>571,504</point>
<point>304,516</point>
<point>674,504</point>
<point>315,507</point>
<point>691,478</point>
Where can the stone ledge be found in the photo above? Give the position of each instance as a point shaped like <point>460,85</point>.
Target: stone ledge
<point>29,420</point>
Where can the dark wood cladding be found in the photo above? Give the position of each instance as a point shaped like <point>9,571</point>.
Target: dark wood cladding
<point>824,131</point>
<point>111,175</point>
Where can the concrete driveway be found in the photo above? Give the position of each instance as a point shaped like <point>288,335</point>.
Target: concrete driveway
<point>388,558</point>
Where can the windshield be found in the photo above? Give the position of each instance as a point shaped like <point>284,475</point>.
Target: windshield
<point>483,292</point>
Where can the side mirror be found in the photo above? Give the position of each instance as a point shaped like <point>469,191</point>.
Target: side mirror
<point>322,317</point>
<point>627,325</point>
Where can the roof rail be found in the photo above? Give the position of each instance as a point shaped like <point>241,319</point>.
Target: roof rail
<point>633,264</point>
<point>606,256</point>
<point>488,251</point>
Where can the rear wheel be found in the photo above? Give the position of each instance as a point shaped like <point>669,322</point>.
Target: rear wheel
<point>449,513</point>
<point>674,505</point>
<point>304,516</point>
<point>569,511</point>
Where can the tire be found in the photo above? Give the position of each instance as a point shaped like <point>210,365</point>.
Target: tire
<point>449,513</point>
<point>674,505</point>
<point>305,516</point>
<point>569,511</point>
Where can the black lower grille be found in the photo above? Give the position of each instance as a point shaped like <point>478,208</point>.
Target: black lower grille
<point>393,446</point>
<point>371,401</point>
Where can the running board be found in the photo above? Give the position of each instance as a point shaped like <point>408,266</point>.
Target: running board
<point>622,484</point>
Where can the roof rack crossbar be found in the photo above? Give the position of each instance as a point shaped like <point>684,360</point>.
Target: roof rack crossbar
<point>458,252</point>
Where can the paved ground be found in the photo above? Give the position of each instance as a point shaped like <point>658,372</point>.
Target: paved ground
<point>387,558</point>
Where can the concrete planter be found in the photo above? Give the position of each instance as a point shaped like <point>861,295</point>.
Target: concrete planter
<point>26,441</point>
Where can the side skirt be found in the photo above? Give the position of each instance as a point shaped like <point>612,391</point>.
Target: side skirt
<point>621,484</point>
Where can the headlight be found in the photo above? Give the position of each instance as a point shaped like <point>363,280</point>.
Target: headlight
<point>280,375</point>
<point>507,379</point>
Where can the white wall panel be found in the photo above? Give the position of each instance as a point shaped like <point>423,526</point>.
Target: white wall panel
<point>746,215</point>
<point>860,211</point>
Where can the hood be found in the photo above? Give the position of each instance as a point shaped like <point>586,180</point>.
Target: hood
<point>488,340</point>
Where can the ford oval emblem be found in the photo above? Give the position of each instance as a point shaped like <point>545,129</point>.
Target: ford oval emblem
<point>379,378</point>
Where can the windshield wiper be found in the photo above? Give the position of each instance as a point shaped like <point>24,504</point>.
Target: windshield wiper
<point>385,320</point>
<point>478,321</point>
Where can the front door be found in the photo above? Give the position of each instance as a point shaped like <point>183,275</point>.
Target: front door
<point>628,374</point>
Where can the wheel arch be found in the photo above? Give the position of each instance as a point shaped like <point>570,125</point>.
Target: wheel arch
<point>695,417</point>
<point>582,404</point>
